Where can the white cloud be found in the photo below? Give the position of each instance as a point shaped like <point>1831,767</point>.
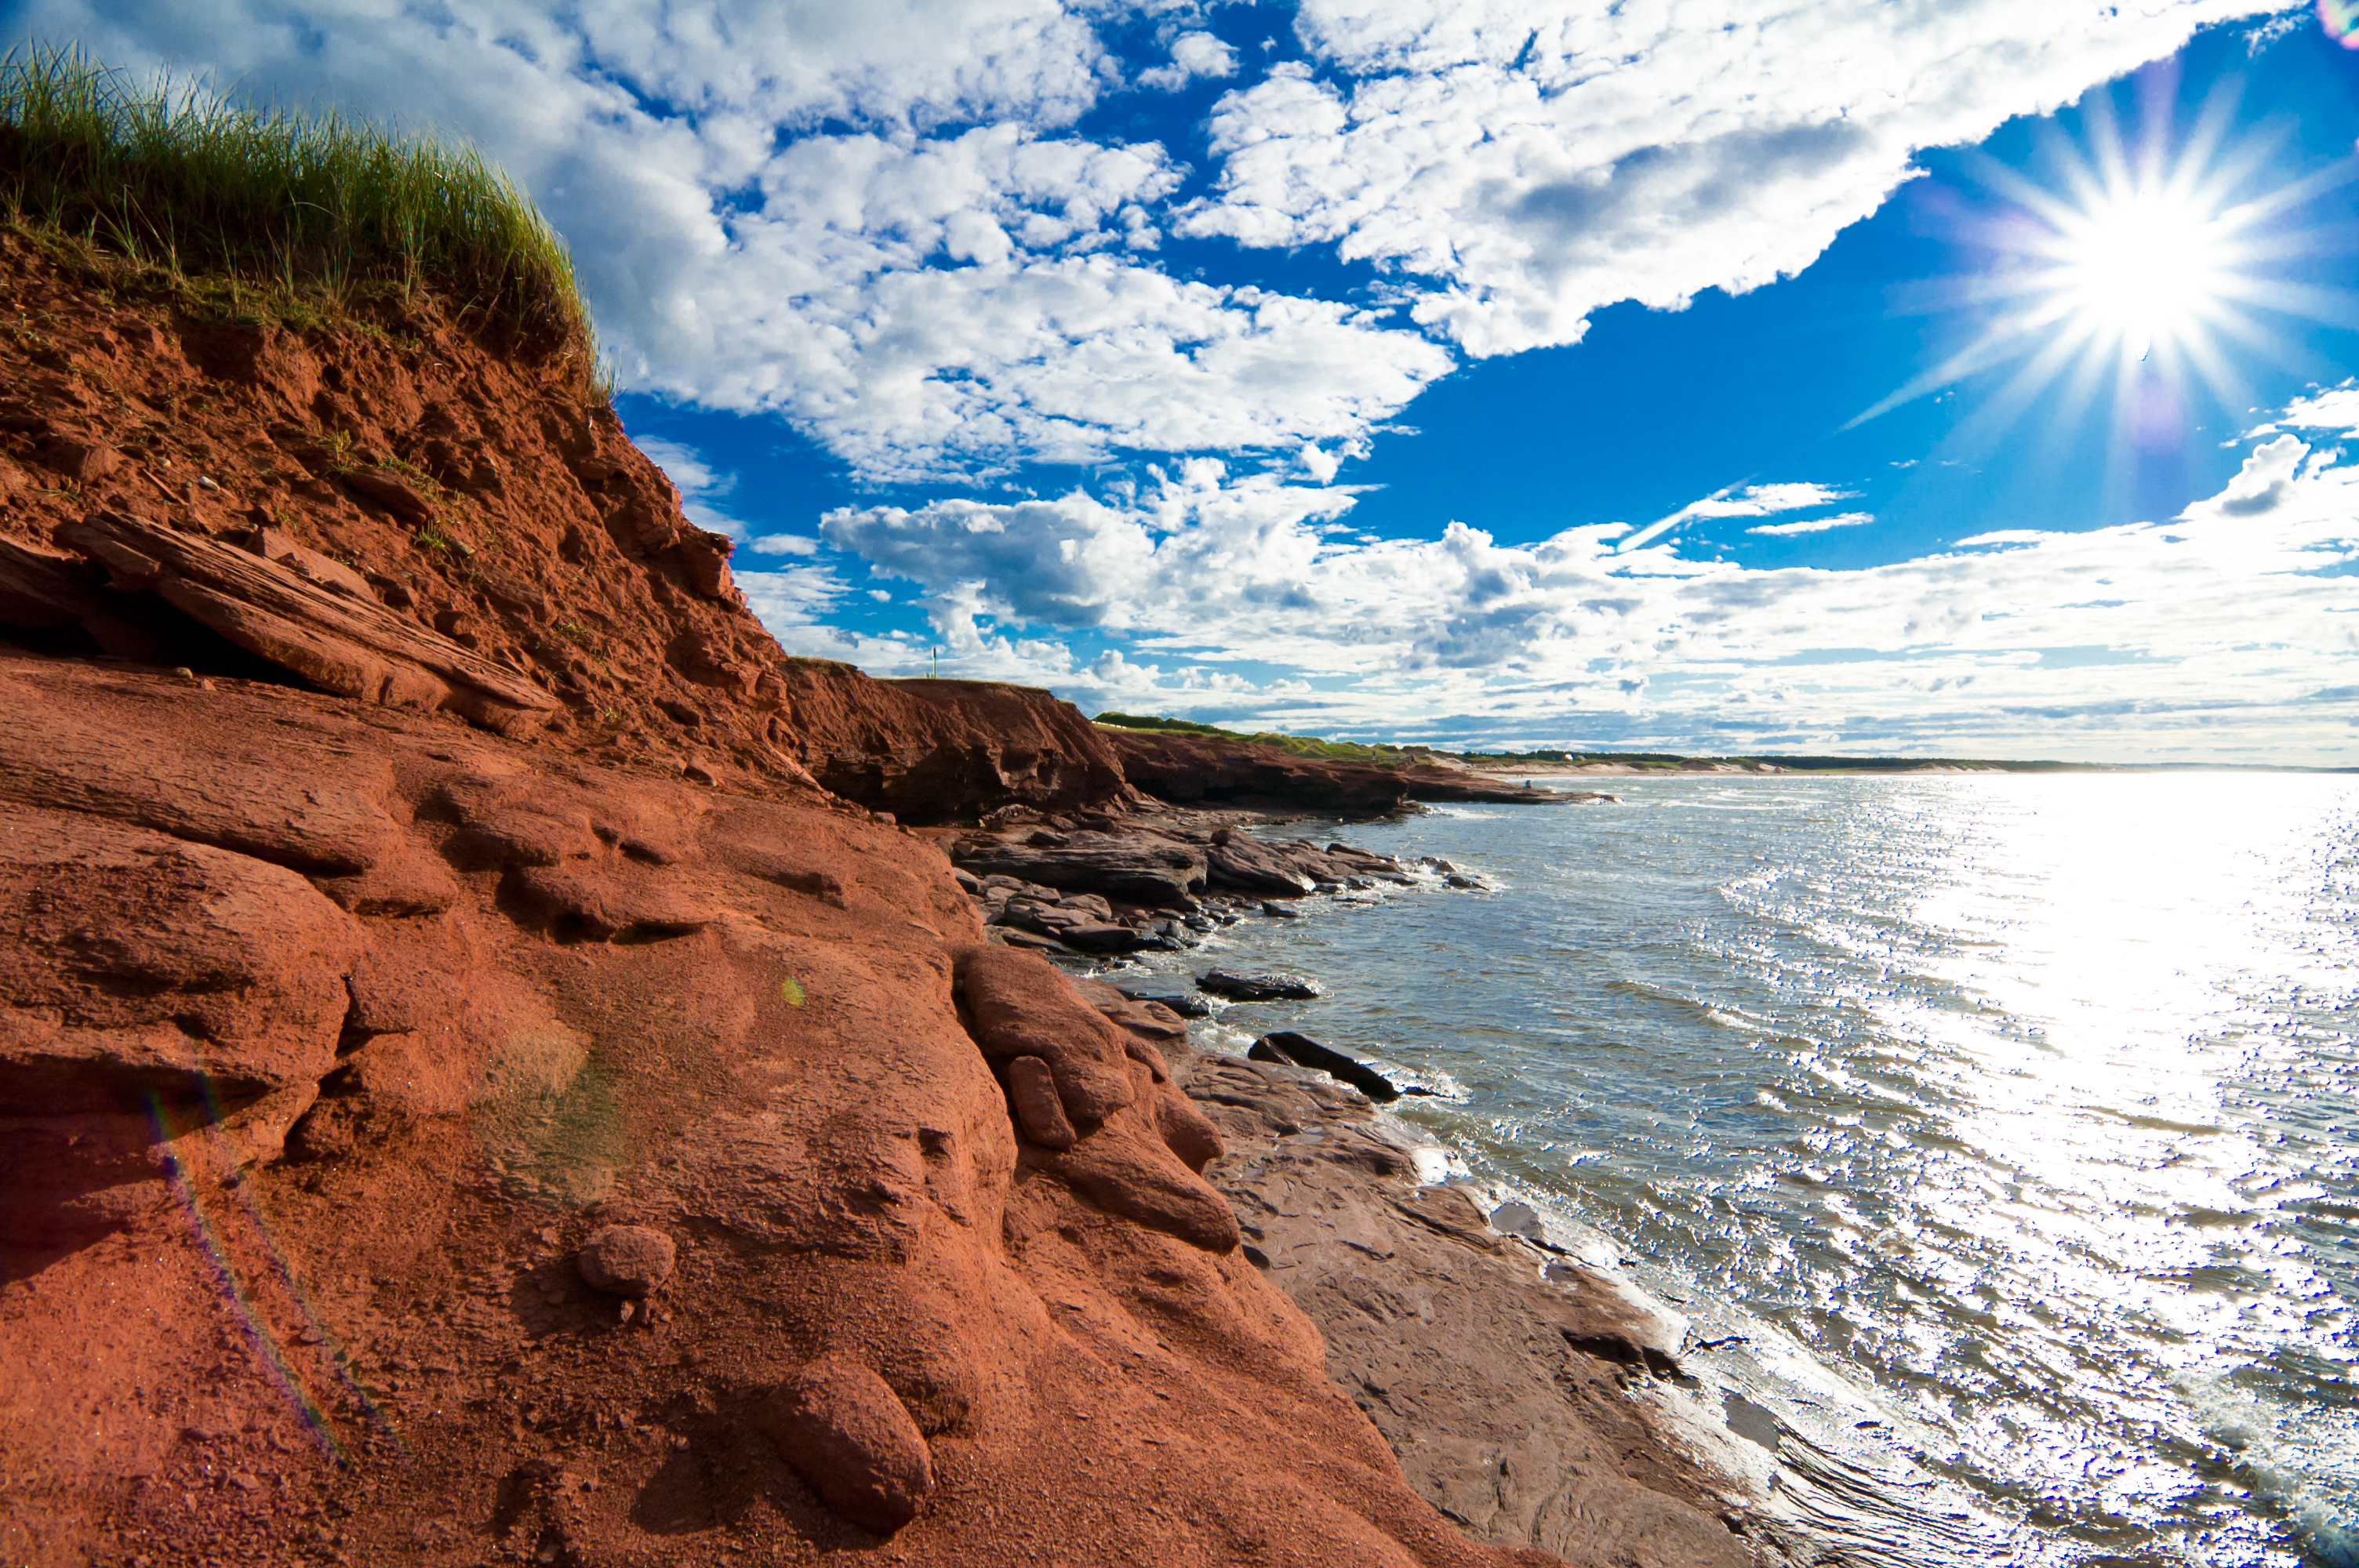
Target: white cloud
<point>881,222</point>
<point>2214,629</point>
<point>2264,484</point>
<point>1742,501</point>
<point>1533,162</point>
<point>1815,524</point>
<point>1194,55</point>
<point>793,601</point>
<point>2334,409</point>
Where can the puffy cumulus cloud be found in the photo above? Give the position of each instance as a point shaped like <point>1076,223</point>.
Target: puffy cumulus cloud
<point>2265,482</point>
<point>1530,163</point>
<point>871,219</point>
<point>1192,55</point>
<point>2214,630</point>
<point>885,222</point>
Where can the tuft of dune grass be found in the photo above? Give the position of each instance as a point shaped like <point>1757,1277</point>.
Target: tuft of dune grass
<point>172,177</point>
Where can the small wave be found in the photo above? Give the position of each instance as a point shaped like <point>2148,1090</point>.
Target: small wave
<point>2255,1433</point>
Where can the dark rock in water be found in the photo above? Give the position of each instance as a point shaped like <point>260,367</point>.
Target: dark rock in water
<point>1461,880</point>
<point>1181,1002</point>
<point>1258,987</point>
<point>1286,1045</point>
<point>1277,910</point>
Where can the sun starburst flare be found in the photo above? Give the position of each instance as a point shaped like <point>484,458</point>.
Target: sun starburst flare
<point>2150,261</point>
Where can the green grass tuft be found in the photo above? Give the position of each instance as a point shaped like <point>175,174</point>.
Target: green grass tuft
<point>299,204</point>
<point>1301,746</point>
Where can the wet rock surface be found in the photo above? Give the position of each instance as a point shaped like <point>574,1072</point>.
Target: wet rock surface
<point>1157,879</point>
<point>1301,1051</point>
<point>1258,987</point>
<point>1501,1390</point>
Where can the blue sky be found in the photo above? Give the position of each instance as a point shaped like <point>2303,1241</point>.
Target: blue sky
<point>1326,368</point>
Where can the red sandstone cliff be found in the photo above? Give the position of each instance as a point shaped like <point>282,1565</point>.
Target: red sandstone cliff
<point>1192,767</point>
<point>400,514</point>
<point>409,869</point>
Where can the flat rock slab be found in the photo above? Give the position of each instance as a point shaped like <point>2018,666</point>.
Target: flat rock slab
<point>1135,868</point>
<point>348,645</point>
<point>1500,1390</point>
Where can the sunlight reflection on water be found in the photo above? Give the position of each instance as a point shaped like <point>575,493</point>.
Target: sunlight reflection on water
<point>2030,1099</point>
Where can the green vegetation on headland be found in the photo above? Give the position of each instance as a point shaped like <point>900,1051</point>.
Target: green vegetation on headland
<point>1301,746</point>
<point>1649,761</point>
<point>282,212</point>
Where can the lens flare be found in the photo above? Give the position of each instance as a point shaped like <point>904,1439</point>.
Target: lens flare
<point>2341,20</point>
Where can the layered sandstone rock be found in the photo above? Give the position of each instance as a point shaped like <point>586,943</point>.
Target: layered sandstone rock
<point>299,1172</point>
<point>409,516</point>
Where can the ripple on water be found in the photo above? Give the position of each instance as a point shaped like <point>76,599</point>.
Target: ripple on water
<point>2031,1103</point>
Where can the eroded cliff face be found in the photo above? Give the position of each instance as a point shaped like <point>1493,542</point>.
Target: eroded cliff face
<point>946,750</point>
<point>370,943</point>
<point>398,513</point>
<point>1219,770</point>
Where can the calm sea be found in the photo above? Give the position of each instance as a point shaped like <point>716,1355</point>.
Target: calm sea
<point>2028,1105</point>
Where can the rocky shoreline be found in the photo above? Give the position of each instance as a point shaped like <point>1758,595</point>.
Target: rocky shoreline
<point>498,1062</point>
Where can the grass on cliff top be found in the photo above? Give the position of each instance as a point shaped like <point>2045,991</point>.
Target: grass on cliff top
<point>1666,762</point>
<point>283,202</point>
<point>1301,746</point>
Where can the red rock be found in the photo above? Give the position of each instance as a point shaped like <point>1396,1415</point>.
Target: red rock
<point>626,1259</point>
<point>262,356</point>
<point>848,1436</point>
<point>153,993</point>
<point>705,559</point>
<point>78,457</point>
<point>354,647</point>
<point>1023,1007</point>
<point>1032,1090</point>
<point>272,544</point>
<point>392,491</point>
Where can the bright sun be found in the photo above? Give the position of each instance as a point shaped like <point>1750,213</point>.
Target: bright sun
<point>2148,261</point>
<point>2141,267</point>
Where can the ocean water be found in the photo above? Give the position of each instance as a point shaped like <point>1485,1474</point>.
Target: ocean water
<point>2027,1105</point>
